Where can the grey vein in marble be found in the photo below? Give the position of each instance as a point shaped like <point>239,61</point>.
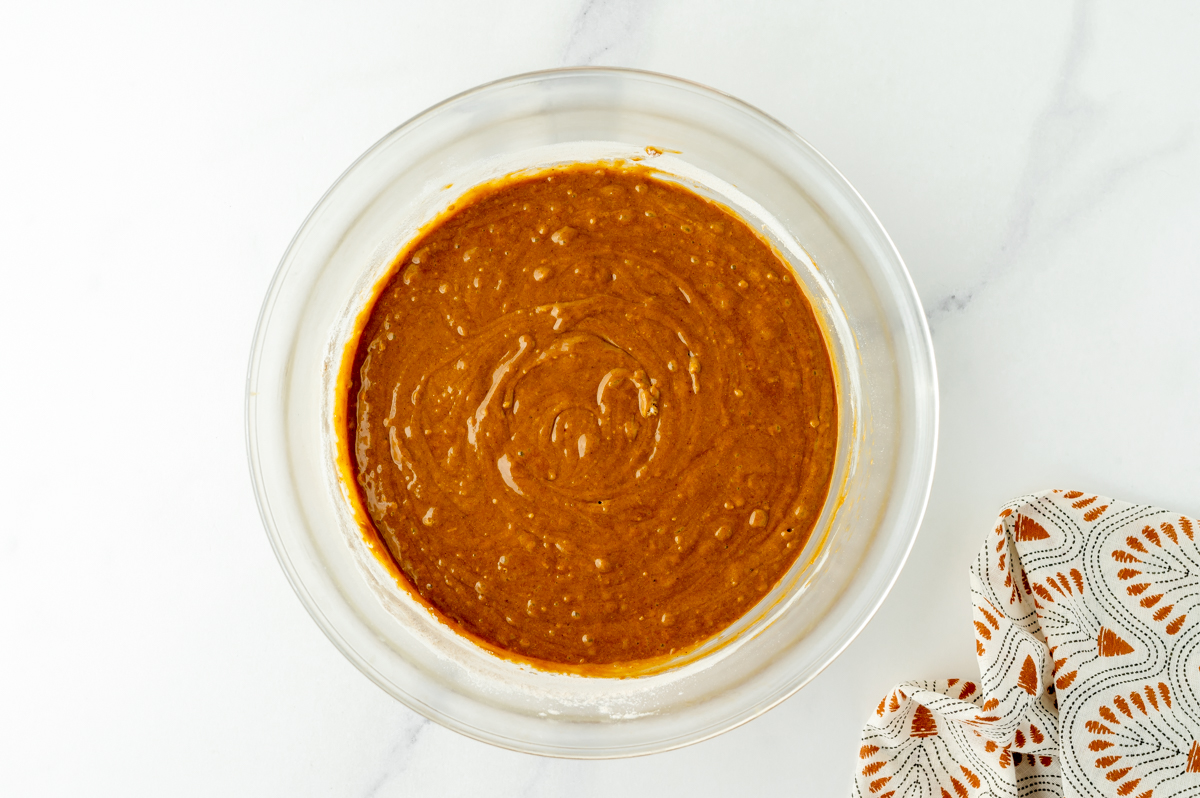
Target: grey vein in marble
<point>400,755</point>
<point>606,32</point>
<point>1068,121</point>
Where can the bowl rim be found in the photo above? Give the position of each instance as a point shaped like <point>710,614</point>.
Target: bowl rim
<point>907,299</point>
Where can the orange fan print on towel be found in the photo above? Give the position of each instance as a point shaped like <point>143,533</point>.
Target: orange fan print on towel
<point>1139,747</point>
<point>919,727</point>
<point>1089,665</point>
<point>1094,504</point>
<point>1156,565</point>
<point>1075,634</point>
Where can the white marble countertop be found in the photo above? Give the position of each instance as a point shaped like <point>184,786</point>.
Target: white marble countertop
<point>1036,164</point>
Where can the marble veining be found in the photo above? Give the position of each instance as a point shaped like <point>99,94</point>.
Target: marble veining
<point>1039,211</point>
<point>394,764</point>
<point>606,32</point>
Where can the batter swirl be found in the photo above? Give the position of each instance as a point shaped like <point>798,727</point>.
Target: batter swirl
<point>592,416</point>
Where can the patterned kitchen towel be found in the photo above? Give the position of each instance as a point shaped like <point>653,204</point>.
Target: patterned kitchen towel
<point>1091,668</point>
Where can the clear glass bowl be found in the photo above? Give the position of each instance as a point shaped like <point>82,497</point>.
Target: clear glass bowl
<point>722,148</point>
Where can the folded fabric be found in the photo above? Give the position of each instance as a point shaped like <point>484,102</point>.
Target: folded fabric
<point>1090,665</point>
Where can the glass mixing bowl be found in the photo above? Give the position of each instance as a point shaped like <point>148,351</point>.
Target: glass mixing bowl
<point>721,148</point>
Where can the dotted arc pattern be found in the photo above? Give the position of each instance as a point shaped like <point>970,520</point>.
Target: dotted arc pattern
<point>1085,614</point>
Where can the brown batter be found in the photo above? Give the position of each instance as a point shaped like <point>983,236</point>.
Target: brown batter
<point>593,416</point>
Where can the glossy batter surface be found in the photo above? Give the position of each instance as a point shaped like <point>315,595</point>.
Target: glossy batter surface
<point>593,418</point>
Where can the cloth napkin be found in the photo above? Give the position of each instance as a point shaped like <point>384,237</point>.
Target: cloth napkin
<point>1085,618</point>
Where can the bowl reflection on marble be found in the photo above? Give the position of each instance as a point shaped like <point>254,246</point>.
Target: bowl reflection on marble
<point>842,258</point>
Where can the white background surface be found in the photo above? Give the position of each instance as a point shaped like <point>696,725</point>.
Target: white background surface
<point>1037,164</point>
